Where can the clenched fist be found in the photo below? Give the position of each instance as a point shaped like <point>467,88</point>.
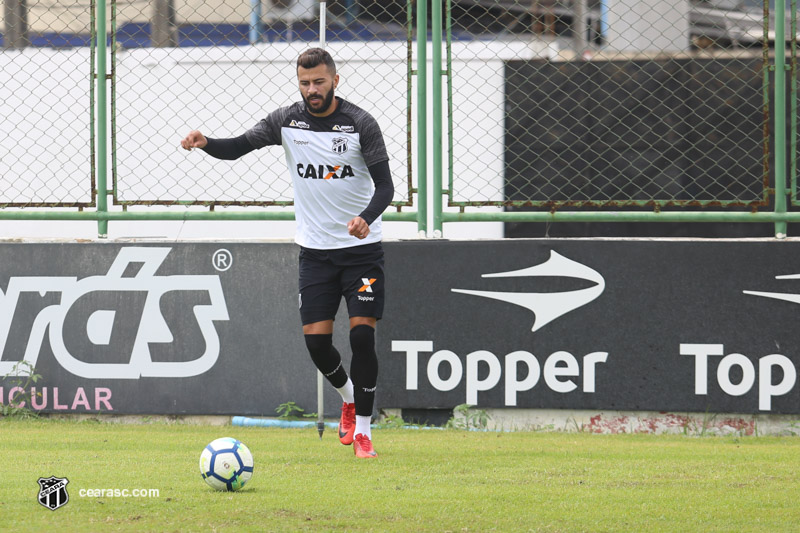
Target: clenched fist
<point>195,139</point>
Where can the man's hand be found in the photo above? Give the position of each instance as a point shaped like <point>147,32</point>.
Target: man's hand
<point>195,139</point>
<point>358,228</point>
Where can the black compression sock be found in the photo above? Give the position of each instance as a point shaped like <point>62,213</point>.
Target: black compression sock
<point>327,358</point>
<point>363,368</point>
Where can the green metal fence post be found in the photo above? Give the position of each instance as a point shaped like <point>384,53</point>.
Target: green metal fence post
<point>102,117</point>
<point>436,57</point>
<point>449,47</point>
<point>780,115</point>
<point>422,120</point>
<point>793,105</point>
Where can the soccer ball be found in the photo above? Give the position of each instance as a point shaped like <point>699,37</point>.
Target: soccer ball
<point>226,464</point>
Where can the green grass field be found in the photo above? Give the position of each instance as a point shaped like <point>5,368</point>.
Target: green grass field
<point>424,480</point>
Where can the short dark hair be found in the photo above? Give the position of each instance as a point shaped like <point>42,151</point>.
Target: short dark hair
<point>314,57</point>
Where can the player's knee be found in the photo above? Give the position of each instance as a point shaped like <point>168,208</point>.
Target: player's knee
<point>326,358</point>
<point>362,339</point>
<point>319,344</point>
<point>320,347</point>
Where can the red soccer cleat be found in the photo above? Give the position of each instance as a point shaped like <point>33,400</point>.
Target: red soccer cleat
<point>363,447</point>
<point>347,424</point>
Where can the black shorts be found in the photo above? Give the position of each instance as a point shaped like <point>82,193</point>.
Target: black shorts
<point>355,273</point>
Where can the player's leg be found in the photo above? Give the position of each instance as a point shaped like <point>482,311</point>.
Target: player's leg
<point>364,373</point>
<point>363,289</point>
<point>319,300</point>
<point>319,341</point>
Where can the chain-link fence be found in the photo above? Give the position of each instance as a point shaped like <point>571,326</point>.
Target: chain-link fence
<point>46,105</point>
<point>218,66</point>
<point>221,69</point>
<point>550,104</point>
<point>608,103</point>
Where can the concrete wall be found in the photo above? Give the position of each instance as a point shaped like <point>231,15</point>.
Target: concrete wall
<point>648,25</point>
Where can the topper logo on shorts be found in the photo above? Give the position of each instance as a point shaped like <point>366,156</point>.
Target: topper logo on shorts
<point>324,172</point>
<point>366,287</point>
<point>85,306</point>
<point>550,305</point>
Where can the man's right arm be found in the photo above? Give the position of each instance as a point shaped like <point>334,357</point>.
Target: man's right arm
<point>230,149</point>
<point>266,132</point>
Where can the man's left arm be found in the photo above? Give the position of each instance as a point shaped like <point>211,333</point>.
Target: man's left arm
<point>381,198</point>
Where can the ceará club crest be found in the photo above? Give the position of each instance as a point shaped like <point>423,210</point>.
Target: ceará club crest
<point>339,145</point>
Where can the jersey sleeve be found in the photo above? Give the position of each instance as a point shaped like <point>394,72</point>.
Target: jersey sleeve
<point>383,194</point>
<point>267,132</point>
<point>229,149</point>
<point>373,147</point>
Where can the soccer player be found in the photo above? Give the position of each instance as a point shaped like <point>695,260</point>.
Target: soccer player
<point>342,184</point>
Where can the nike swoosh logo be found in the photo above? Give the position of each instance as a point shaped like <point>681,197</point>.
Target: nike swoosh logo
<point>548,306</point>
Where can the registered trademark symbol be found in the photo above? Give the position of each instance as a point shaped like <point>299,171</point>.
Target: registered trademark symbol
<point>222,259</point>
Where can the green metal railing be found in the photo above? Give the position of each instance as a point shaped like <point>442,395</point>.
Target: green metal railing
<point>764,196</point>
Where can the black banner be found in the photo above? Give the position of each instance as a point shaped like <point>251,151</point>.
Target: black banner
<point>587,324</point>
<point>213,328</point>
<point>157,329</point>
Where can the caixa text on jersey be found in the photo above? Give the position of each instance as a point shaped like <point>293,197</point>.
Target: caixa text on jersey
<point>324,172</point>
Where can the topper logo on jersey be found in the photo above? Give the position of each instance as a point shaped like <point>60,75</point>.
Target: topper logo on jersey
<point>344,129</point>
<point>89,307</point>
<point>299,124</point>
<point>551,305</point>
<point>560,369</point>
<point>324,172</point>
<point>339,145</point>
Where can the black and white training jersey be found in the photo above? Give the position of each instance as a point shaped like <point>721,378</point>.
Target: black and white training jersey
<point>328,158</point>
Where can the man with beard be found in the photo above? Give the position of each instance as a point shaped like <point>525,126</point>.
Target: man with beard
<point>335,153</point>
